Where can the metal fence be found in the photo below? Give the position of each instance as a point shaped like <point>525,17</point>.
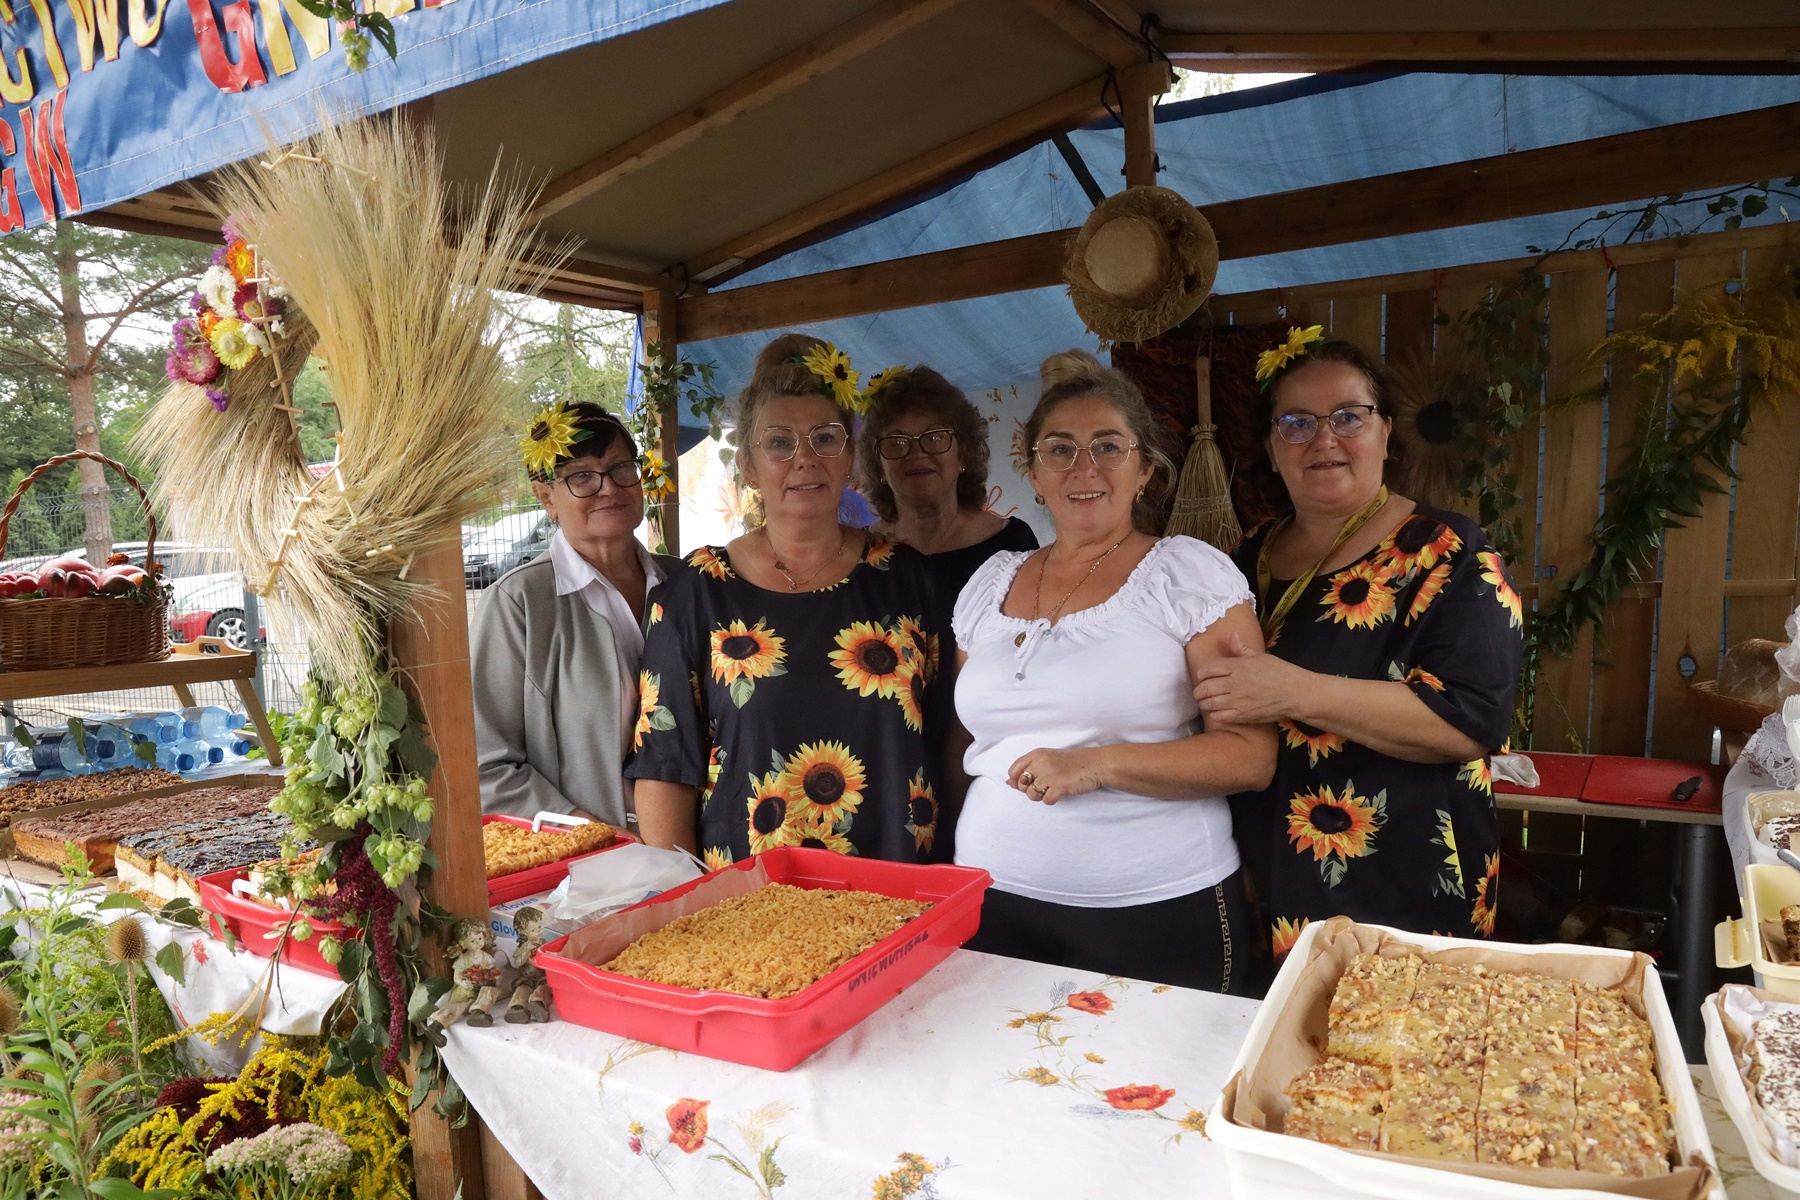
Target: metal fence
<point>210,598</point>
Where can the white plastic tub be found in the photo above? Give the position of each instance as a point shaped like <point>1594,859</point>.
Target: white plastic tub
<point>1734,1097</point>
<point>1737,941</point>
<point>1273,1166</point>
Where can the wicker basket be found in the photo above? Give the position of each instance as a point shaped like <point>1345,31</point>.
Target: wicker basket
<point>89,631</point>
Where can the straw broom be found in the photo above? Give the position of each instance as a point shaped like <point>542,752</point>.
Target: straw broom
<point>394,272</point>
<point>1203,495</point>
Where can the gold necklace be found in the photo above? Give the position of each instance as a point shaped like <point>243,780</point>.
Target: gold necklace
<point>1037,599</point>
<point>795,585</point>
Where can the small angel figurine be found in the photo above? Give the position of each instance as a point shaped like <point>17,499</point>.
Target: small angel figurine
<point>475,978</point>
<point>531,993</point>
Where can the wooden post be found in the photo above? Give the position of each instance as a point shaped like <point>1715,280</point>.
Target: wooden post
<point>1139,86</point>
<point>430,648</point>
<point>660,327</point>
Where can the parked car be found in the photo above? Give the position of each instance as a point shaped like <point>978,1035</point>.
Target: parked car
<point>490,551</point>
<point>535,542</point>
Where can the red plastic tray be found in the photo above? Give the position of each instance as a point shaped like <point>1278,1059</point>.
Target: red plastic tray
<point>539,879</point>
<point>258,926</point>
<point>778,1034</point>
<point>1648,782</point>
<point>1564,775</point>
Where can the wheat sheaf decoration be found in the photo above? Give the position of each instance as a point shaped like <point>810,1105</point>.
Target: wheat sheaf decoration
<point>389,275</point>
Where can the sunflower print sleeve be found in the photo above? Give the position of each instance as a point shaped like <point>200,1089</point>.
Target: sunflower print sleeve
<point>1463,662</point>
<point>669,742</point>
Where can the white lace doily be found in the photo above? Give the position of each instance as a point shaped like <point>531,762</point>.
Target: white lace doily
<point>1768,749</point>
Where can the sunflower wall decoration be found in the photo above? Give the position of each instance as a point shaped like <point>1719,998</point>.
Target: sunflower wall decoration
<point>1437,401</point>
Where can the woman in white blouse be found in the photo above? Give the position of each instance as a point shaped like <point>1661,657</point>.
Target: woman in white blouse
<point>1097,794</point>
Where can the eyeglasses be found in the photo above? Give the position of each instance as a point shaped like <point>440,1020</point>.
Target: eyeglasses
<point>933,441</point>
<point>827,441</point>
<point>1108,452</point>
<point>581,484</point>
<point>1346,422</point>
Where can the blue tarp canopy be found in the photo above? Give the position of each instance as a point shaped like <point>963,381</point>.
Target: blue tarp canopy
<point>1303,133</point>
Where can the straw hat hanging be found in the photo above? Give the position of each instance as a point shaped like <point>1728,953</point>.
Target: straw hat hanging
<point>1144,261</point>
<point>1203,495</point>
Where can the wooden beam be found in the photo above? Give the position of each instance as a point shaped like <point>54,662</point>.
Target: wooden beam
<point>1716,152</point>
<point>1057,114</point>
<point>1139,86</point>
<point>1450,278</point>
<point>430,646</point>
<point>1103,30</point>
<point>1302,50</point>
<point>830,50</point>
<point>660,327</point>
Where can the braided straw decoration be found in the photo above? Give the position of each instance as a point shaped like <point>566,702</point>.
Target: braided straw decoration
<point>52,633</point>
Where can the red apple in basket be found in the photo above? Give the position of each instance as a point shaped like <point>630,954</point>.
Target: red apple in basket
<point>12,584</point>
<point>82,585</point>
<point>120,580</point>
<point>74,564</point>
<point>53,581</point>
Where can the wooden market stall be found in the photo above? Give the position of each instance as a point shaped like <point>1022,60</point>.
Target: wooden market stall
<point>685,154</point>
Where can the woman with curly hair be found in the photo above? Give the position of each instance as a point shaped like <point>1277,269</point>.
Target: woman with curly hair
<point>922,461</point>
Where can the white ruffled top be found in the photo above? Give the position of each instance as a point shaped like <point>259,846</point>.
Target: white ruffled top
<point>1116,672</point>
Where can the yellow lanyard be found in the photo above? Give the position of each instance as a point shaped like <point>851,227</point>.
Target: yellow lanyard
<point>1272,618</point>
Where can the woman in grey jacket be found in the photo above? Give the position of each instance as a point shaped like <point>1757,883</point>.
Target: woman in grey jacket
<point>556,641</point>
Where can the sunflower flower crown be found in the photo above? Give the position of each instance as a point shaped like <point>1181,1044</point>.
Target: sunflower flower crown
<point>235,317</point>
<point>1271,363</point>
<point>839,380</point>
<point>548,437</point>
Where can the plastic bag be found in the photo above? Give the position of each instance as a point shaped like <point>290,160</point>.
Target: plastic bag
<point>604,883</point>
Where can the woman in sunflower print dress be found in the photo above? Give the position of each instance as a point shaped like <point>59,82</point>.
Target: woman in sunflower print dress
<point>791,690</point>
<point>1394,643</point>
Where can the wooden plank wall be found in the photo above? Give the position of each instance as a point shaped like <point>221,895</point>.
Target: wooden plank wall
<point>1624,689</point>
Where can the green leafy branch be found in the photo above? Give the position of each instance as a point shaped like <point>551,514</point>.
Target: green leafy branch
<point>667,383</point>
<point>357,27</point>
<point>1652,219</point>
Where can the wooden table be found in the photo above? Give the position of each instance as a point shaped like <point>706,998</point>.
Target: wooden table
<point>204,660</point>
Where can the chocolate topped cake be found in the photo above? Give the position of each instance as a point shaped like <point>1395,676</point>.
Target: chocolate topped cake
<point>98,831</point>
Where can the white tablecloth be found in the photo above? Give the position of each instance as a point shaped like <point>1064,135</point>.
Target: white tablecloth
<point>990,1077</point>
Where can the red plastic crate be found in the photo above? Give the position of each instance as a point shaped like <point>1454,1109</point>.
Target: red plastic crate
<point>778,1034</point>
<point>539,879</point>
<point>1564,775</point>
<point>1649,782</point>
<point>258,926</point>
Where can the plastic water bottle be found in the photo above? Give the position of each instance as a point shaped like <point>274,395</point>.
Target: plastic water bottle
<point>179,757</point>
<point>108,746</point>
<point>158,728</point>
<point>210,721</point>
<point>210,754</point>
<point>57,752</point>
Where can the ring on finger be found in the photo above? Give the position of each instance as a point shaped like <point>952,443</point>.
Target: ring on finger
<point>1039,791</point>
<point>1027,778</point>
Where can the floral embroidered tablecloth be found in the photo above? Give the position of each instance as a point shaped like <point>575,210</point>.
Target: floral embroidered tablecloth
<point>990,1077</point>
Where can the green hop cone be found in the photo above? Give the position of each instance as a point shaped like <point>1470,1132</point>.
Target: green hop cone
<point>302,930</point>
<point>331,950</point>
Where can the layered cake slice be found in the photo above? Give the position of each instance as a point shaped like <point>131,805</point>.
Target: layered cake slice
<point>1775,1067</point>
<point>1338,1102</point>
<point>1367,1006</point>
<point>1433,1107</point>
<point>168,862</point>
<point>1528,1079</point>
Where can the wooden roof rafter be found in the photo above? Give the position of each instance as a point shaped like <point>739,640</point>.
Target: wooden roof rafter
<point>861,34</point>
<point>1109,29</point>
<point>1067,110</point>
<point>1715,152</point>
<point>1305,50</point>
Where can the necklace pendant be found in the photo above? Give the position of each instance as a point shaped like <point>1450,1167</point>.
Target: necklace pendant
<point>1019,640</point>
